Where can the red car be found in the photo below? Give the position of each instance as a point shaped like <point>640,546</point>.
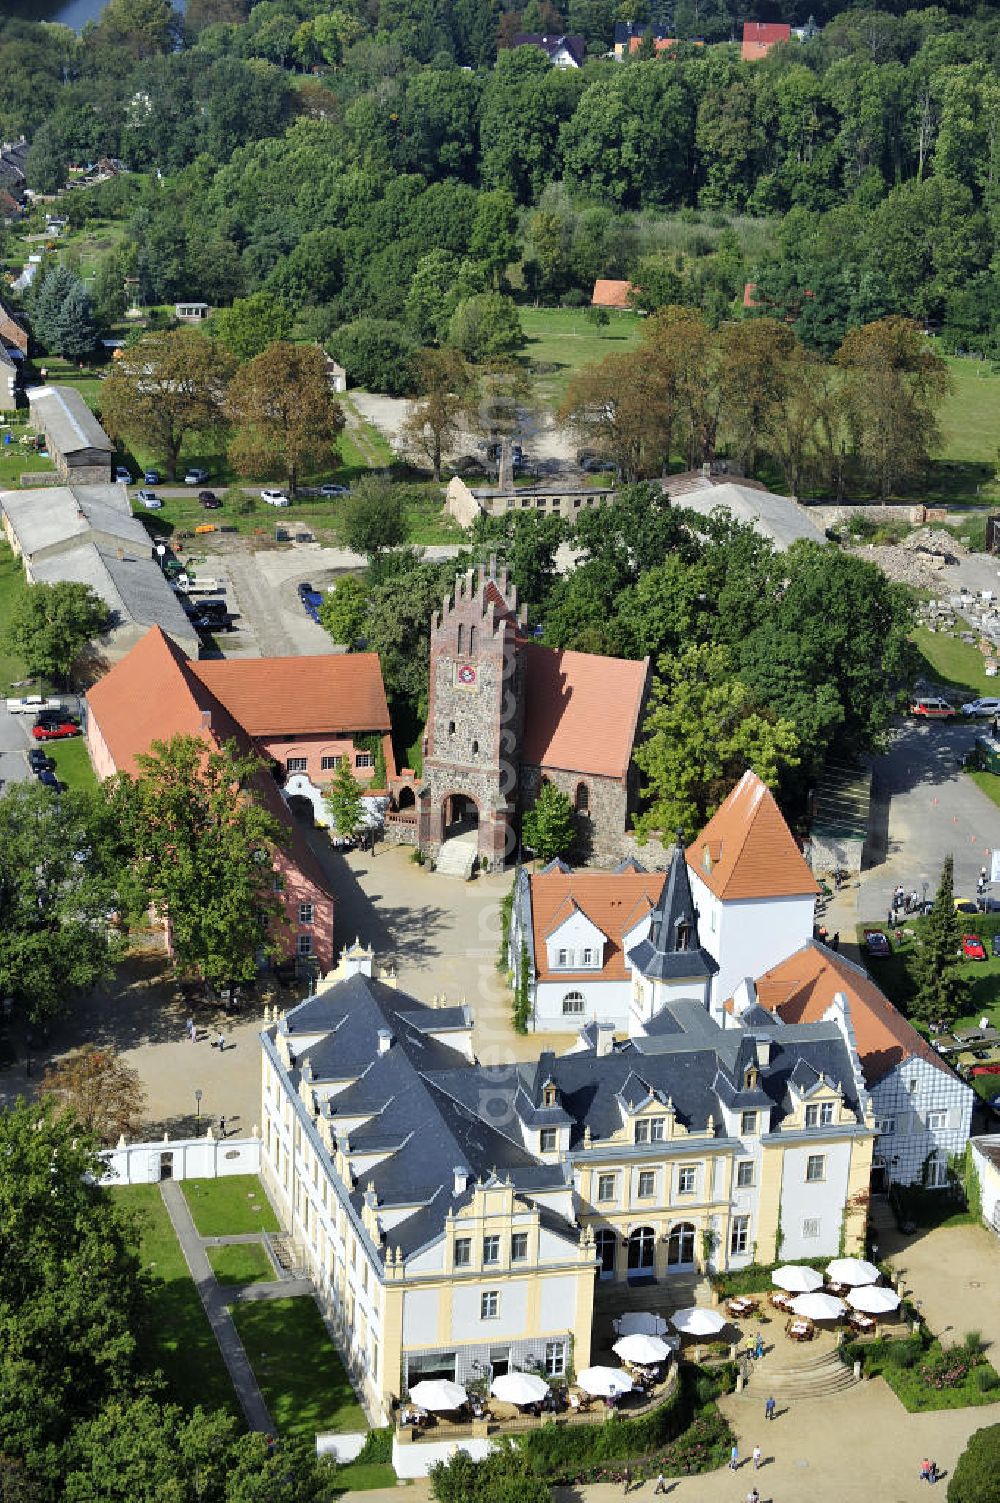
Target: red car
<point>56,730</point>
<point>972,947</point>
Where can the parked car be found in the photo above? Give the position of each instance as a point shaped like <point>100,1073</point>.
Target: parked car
<point>48,779</point>
<point>150,500</point>
<point>204,527</point>
<point>965,905</point>
<point>984,707</point>
<point>995,945</point>
<point>39,762</point>
<point>55,730</point>
<point>334,490</point>
<point>304,589</point>
<point>33,704</point>
<point>876,942</point>
<point>195,477</point>
<point>973,947</point>
<point>123,476</point>
<point>151,477</point>
<point>930,707</point>
<point>209,500</point>
<point>57,716</point>
<point>275,498</point>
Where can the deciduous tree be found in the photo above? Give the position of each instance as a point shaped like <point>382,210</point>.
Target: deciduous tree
<point>204,846</point>
<point>252,323</point>
<point>548,828</point>
<point>373,518</point>
<point>433,421</point>
<point>98,1090</point>
<point>284,413</point>
<point>343,799</point>
<point>51,624</point>
<point>164,388</point>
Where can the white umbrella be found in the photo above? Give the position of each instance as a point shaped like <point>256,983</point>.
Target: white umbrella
<point>697,1322</point>
<point>874,1299</point>
<point>640,1323</point>
<point>519,1388</point>
<point>438,1393</point>
<point>641,1349</point>
<point>604,1382</point>
<point>818,1306</point>
<point>797,1278</point>
<point>852,1271</point>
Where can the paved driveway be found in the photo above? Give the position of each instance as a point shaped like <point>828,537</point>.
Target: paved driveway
<point>15,740</point>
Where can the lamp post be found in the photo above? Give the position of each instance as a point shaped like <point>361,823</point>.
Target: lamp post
<point>197,1103</point>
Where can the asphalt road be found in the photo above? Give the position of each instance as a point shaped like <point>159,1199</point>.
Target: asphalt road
<point>15,740</point>
<point>923,809</point>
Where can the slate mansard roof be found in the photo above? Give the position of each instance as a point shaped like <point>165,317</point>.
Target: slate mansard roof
<point>429,1111</point>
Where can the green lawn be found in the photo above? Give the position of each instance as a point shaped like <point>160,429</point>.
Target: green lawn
<point>561,340</point>
<point>894,973</point>
<point>363,1476</point>
<point>240,1263</point>
<point>184,1345</point>
<point>225,1207</point>
<point>300,1375</point>
<point>970,431</point>
<point>957,666</point>
<point>12,588</point>
<point>72,763</point>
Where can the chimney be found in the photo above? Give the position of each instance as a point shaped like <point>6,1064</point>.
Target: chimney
<point>461,1179</point>
<point>605,1040</point>
<point>384,1041</point>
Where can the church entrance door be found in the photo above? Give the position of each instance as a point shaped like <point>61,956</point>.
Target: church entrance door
<point>459,815</point>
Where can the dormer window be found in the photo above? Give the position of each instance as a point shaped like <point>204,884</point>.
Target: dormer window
<point>748,1124</point>
<point>548,1094</point>
<point>650,1130</point>
<point>563,957</point>
<point>750,1078</point>
<point>683,941</point>
<point>549,1139</point>
<point>706,858</point>
<point>820,1115</point>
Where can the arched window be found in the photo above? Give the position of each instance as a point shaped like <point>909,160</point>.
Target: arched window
<point>472,640</point>
<point>680,1246</point>
<point>582,799</point>
<point>606,1243</point>
<point>407,798</point>
<point>573,1004</point>
<point>641,1249</point>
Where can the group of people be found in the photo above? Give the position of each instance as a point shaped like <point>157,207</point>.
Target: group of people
<point>904,902</point>
<point>928,1470</point>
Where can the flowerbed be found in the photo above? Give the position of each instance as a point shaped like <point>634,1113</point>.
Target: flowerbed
<point>924,1375</point>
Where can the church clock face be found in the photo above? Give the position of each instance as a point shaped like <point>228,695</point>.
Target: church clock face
<point>466,676</point>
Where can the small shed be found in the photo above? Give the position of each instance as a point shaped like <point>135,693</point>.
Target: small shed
<point>79,446</point>
<point>336,375</point>
<point>191,313</point>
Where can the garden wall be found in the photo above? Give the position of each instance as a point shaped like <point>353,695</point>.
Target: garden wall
<point>180,1158</point>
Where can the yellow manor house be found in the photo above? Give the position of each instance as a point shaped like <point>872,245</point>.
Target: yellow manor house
<point>460,1221</point>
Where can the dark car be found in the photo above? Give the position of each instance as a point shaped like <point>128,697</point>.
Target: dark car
<point>209,500</point>
<point>56,717</point>
<point>48,779</point>
<point>995,944</point>
<point>151,477</point>
<point>55,731</point>
<point>39,762</point>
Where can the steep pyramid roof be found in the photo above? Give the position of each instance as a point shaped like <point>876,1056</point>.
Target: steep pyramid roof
<point>672,950</point>
<point>747,850</point>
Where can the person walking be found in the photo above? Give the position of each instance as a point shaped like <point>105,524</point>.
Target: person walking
<point>758,1347</point>
<point>757,1454</point>
<point>661,1484</point>
<point>220,1041</point>
<point>769,1409</point>
<point>626,1479</point>
<point>753,1496</point>
<point>192,1031</point>
<point>222,1127</point>
<point>734,1458</point>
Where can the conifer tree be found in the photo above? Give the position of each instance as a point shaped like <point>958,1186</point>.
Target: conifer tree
<point>942,994</point>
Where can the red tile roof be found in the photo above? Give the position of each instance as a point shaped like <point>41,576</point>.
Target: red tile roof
<point>581,710</point>
<point>802,987</point>
<point>341,692</point>
<point>153,694</point>
<point>760,36</point>
<point>611,294</point>
<point>614,901</point>
<point>747,851</point>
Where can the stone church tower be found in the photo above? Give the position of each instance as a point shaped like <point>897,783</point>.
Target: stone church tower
<point>475,720</point>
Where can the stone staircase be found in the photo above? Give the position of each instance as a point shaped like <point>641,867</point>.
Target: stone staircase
<point>816,1375</point>
<point>457,856</point>
<point>285,1255</point>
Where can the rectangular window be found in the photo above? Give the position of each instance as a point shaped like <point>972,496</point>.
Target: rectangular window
<point>826,1114</point>
<point>364,759</point>
<point>657,1129</point>
<point>686,1180</point>
<point>937,1172</point>
<point>606,1187</point>
<point>305,913</point>
<point>815,1168</point>
<point>744,1174</point>
<point>642,1132</point>
<point>277,882</point>
<point>489,1305</point>
<point>555,1359</point>
<point>519,1247</point>
<point>936,1121</point>
<point>491,1250</point>
<point>463,1252</point>
<point>810,1228</point>
<point>885,1126</point>
<point>549,1137</point>
<point>330,763</point>
<point>812,1116</point>
<point>562,957</point>
<point>739,1236</point>
<point>297,764</point>
<point>304,944</point>
<point>647,1183</point>
<point>588,957</point>
<point>748,1124</point>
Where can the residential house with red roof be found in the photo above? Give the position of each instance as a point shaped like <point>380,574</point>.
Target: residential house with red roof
<point>156,693</point>
<point>923,1111</point>
<point>753,890</point>
<point>507,715</point>
<point>760,36</point>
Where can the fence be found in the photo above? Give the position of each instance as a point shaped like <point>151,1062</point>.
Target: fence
<point>181,1158</point>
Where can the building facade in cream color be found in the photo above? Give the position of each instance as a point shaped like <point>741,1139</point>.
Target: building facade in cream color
<point>459,1221</point>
